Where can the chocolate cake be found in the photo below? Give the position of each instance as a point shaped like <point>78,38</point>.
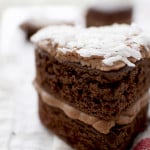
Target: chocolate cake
<point>93,84</point>
<point>109,12</point>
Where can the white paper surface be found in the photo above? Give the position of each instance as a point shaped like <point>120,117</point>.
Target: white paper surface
<point>20,128</point>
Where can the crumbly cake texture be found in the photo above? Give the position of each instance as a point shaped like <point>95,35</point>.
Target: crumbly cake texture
<point>105,48</point>
<point>83,136</point>
<point>95,92</point>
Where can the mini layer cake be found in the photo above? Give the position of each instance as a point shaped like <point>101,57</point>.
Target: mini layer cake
<point>107,12</point>
<point>93,84</point>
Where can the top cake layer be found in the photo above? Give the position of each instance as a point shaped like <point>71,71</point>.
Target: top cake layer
<point>105,48</point>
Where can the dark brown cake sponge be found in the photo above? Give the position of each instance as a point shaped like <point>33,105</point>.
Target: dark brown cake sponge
<point>101,94</point>
<point>96,17</point>
<point>84,137</point>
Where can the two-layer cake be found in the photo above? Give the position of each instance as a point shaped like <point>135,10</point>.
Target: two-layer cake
<point>93,84</point>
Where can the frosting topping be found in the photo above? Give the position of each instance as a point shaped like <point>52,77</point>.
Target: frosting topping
<point>100,125</point>
<point>111,46</point>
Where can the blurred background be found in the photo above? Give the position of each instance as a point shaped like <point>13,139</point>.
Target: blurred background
<point>4,4</point>
<point>9,3</point>
<point>142,7</point>
<point>81,3</point>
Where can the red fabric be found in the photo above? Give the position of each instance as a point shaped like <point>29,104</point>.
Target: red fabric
<point>144,144</point>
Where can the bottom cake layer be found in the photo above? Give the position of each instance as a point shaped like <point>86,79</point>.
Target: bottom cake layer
<point>83,137</point>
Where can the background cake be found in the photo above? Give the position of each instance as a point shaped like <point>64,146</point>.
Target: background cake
<point>93,84</point>
<point>39,17</point>
<point>107,12</point>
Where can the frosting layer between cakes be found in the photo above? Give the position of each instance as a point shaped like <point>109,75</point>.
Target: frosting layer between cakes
<point>105,48</point>
<point>102,126</point>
